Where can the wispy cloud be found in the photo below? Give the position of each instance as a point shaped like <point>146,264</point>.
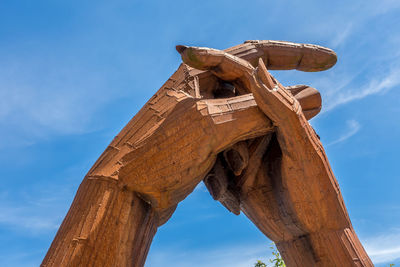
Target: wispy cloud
<point>233,256</point>
<point>342,36</point>
<point>355,16</point>
<point>384,248</point>
<point>34,216</point>
<point>352,128</point>
<point>19,217</point>
<point>375,86</point>
<point>385,6</point>
<point>22,259</point>
<point>43,98</point>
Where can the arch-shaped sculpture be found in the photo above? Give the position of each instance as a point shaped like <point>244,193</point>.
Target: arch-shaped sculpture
<point>224,119</point>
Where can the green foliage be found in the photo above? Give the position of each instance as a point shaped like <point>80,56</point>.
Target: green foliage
<point>277,260</point>
<point>260,264</point>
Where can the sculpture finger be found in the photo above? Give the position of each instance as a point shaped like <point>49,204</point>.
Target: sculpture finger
<point>309,99</point>
<point>279,55</point>
<point>225,66</point>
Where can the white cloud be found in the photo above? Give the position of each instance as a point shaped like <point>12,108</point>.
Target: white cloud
<point>354,16</point>
<point>32,215</point>
<point>17,217</point>
<point>384,6</point>
<point>352,128</point>
<point>43,98</point>
<point>341,36</point>
<point>22,259</point>
<point>232,256</point>
<point>384,248</point>
<point>375,86</point>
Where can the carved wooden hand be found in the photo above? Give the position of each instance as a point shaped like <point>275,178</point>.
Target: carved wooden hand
<point>282,182</point>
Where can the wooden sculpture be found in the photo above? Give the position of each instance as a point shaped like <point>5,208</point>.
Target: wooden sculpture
<point>224,119</point>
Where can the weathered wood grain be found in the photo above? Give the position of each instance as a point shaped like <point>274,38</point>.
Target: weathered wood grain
<point>223,118</point>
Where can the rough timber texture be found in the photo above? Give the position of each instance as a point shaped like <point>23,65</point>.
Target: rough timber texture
<point>224,119</point>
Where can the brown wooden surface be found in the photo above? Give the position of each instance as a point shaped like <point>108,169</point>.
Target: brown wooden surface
<point>218,119</point>
<point>294,197</point>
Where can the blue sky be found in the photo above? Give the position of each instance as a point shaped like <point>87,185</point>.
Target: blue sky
<point>72,73</point>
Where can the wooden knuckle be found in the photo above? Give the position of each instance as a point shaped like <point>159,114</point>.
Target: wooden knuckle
<point>231,201</point>
<point>218,184</point>
<point>217,180</point>
<point>237,157</point>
